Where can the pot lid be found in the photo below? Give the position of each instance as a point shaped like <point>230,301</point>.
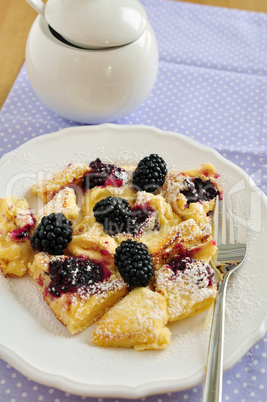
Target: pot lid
<point>97,23</point>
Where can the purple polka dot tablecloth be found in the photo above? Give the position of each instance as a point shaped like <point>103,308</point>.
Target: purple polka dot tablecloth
<point>212,87</point>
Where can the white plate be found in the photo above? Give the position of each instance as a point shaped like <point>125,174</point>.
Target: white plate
<point>35,343</point>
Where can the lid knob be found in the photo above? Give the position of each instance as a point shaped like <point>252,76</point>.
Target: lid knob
<point>94,24</point>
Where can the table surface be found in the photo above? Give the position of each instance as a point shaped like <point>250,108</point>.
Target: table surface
<point>211,87</point>
<point>16,18</point>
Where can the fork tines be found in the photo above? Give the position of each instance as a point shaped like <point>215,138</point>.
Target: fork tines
<point>229,221</point>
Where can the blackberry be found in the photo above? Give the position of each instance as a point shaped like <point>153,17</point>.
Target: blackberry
<point>150,173</point>
<point>53,234</point>
<point>69,274</point>
<point>199,190</point>
<point>114,214</point>
<point>134,263</point>
<point>102,174</point>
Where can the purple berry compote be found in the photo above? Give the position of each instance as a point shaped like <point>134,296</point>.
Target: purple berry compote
<point>69,274</point>
<point>25,221</point>
<point>141,216</point>
<point>199,273</point>
<point>103,174</point>
<point>198,190</point>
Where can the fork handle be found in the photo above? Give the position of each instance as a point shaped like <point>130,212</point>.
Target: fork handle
<point>214,372</point>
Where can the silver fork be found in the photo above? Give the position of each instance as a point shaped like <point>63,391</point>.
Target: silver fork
<point>230,234</point>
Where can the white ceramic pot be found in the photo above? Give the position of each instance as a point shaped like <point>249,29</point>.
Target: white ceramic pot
<point>90,85</point>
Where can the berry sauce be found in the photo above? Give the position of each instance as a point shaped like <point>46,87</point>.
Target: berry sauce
<point>103,174</point>
<point>71,273</point>
<point>22,233</point>
<point>19,234</point>
<point>201,271</point>
<point>178,263</point>
<point>140,214</point>
<point>199,190</point>
<point>24,222</point>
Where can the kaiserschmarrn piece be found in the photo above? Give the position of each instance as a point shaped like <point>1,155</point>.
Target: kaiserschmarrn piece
<point>138,320</point>
<point>77,290</point>
<point>186,239</point>
<point>91,241</point>
<point>188,286</point>
<point>71,175</point>
<point>192,193</point>
<point>16,220</point>
<point>152,219</point>
<point>63,202</point>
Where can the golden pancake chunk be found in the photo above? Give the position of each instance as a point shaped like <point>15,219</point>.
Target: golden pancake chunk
<point>138,320</point>
<point>185,239</point>
<point>192,193</point>
<point>188,286</point>
<point>16,220</point>
<point>71,175</point>
<point>78,306</point>
<point>91,241</point>
<point>63,202</point>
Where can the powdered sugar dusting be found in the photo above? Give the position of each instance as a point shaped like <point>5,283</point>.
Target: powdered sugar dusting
<point>28,294</point>
<point>140,316</point>
<point>242,287</point>
<point>63,202</point>
<point>185,287</point>
<point>186,342</point>
<point>100,289</point>
<point>195,275</point>
<point>127,181</point>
